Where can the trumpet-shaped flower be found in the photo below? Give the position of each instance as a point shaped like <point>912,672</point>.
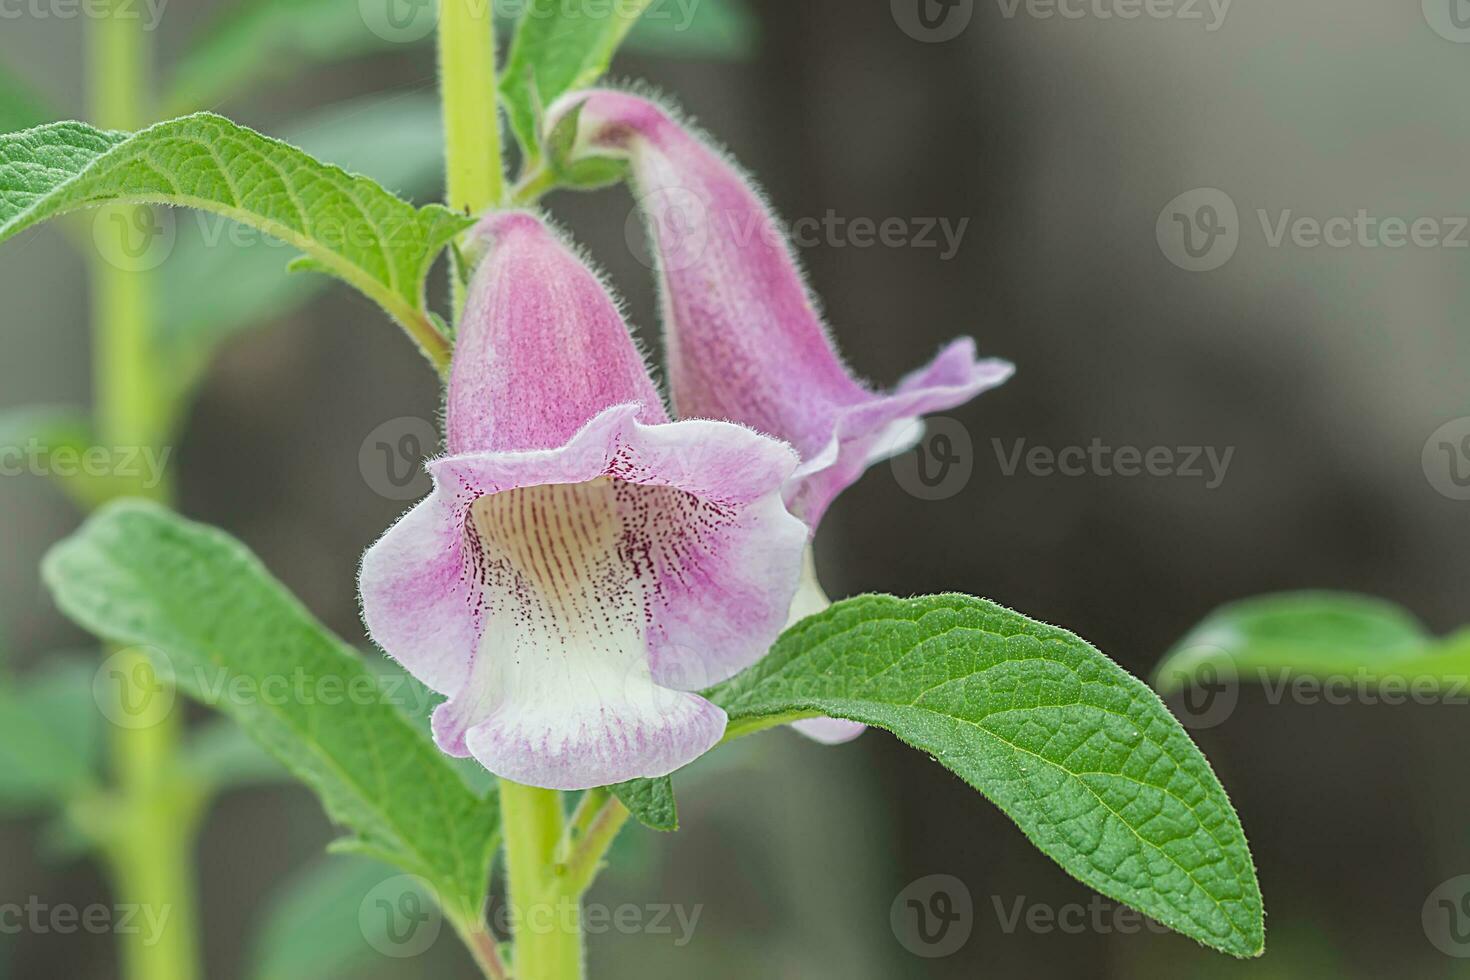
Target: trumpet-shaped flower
<point>582,563</point>
<point>745,340</point>
<point>744,337</point>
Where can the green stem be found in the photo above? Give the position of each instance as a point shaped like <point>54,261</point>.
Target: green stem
<point>474,167</point>
<point>585,861</point>
<point>545,904</point>
<point>532,187</point>
<point>150,842</point>
<point>480,941</point>
<point>474,172</point>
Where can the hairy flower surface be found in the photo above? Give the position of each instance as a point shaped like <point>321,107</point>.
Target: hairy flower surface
<point>582,563</point>
<point>744,336</point>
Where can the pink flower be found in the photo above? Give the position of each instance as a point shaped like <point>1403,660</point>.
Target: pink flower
<point>582,562</point>
<point>745,340</point>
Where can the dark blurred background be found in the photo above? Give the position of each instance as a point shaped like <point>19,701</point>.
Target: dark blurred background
<point>1060,141</point>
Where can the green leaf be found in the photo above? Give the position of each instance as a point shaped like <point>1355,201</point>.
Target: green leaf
<point>559,46</point>
<point>588,173</point>
<point>225,632</point>
<point>221,279</point>
<point>1309,632</point>
<point>651,801</point>
<point>55,441</point>
<point>1085,758</point>
<point>19,106</point>
<point>380,244</point>
<point>313,929</point>
<point>50,740</point>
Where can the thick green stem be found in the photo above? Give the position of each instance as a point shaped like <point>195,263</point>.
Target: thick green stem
<point>545,904</point>
<point>474,168</point>
<point>474,172</point>
<point>150,840</point>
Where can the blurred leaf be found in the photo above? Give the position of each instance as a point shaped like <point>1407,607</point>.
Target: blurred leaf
<point>267,40</point>
<point>313,929</point>
<point>222,278</point>
<point>378,243</point>
<point>51,440</point>
<point>45,425</point>
<point>214,619</point>
<point>725,29</point>
<point>651,801</point>
<point>559,46</point>
<point>20,108</point>
<point>1085,758</point>
<point>1321,636</point>
<point>1307,631</point>
<point>222,756</point>
<point>257,40</point>
<point>49,735</point>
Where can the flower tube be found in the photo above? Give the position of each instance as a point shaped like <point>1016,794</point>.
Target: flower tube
<point>582,563</point>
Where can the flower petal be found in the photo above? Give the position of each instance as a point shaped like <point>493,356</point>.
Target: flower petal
<point>597,583</point>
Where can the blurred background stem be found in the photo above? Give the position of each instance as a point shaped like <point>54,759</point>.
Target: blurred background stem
<point>150,841</point>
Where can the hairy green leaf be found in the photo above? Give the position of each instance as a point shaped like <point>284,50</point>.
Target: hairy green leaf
<point>225,632</point>
<point>651,801</point>
<point>1085,758</point>
<point>559,46</point>
<point>349,225</point>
